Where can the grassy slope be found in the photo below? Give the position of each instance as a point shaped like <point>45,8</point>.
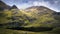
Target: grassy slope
<point>40,19</point>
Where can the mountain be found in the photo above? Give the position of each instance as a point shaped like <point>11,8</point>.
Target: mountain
<point>36,16</point>
<point>3,6</point>
<point>44,16</point>
<point>34,19</point>
<point>39,10</point>
<point>14,7</point>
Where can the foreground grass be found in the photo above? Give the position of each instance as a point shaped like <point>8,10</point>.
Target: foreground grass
<point>7,31</point>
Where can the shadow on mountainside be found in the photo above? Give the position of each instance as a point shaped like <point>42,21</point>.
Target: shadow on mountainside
<point>33,29</point>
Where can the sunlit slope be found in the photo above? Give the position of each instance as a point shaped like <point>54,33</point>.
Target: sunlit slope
<point>45,17</point>
<point>14,15</point>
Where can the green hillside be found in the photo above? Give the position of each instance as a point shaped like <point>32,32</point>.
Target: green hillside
<point>30,19</point>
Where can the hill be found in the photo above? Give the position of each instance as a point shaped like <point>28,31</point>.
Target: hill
<point>35,19</point>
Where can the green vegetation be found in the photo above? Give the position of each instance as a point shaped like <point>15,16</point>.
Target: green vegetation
<point>33,20</point>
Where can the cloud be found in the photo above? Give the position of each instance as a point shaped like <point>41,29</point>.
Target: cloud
<point>47,4</point>
<point>37,3</point>
<point>56,2</point>
<point>22,4</point>
<point>33,3</point>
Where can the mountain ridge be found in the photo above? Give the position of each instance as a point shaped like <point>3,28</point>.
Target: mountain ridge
<point>4,6</point>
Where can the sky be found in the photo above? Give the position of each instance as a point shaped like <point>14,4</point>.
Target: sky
<point>22,4</point>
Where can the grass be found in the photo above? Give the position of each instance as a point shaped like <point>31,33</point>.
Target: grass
<point>7,31</point>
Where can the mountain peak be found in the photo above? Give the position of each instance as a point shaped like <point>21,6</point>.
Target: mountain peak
<point>14,7</point>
